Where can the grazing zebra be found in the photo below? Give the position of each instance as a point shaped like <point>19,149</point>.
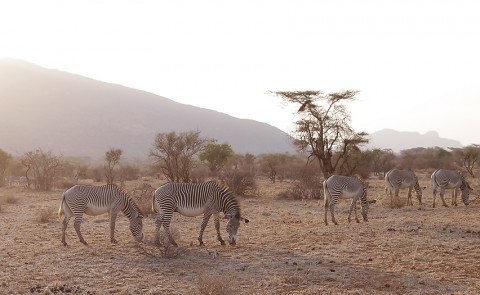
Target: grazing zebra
<point>351,187</point>
<point>194,199</point>
<point>445,179</point>
<point>396,179</point>
<point>96,200</point>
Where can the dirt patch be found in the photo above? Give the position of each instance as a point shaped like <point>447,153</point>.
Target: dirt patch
<point>285,249</point>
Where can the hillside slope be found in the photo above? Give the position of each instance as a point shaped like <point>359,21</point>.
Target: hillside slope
<point>78,116</point>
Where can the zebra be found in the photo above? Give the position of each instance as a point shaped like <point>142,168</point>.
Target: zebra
<point>194,199</point>
<point>396,179</point>
<point>445,179</point>
<point>336,186</point>
<point>96,200</point>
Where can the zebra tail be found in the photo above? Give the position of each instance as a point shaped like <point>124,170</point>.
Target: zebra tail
<point>60,210</point>
<point>154,210</point>
<point>325,197</point>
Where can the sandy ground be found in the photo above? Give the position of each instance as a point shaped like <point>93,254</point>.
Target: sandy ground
<point>285,249</point>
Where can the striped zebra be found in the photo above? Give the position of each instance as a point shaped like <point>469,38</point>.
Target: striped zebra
<point>96,200</point>
<point>194,199</point>
<point>396,179</point>
<point>337,186</point>
<point>446,179</point>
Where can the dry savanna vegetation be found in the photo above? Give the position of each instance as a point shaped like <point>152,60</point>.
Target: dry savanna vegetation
<point>285,249</point>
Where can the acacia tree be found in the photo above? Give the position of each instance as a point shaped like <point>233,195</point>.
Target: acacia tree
<point>4,161</point>
<point>216,155</point>
<point>44,166</point>
<point>174,154</point>
<point>112,157</point>
<point>471,154</point>
<point>323,129</point>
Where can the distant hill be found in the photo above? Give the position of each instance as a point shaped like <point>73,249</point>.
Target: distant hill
<point>77,116</point>
<point>401,140</point>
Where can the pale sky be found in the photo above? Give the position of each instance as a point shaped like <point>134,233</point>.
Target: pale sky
<point>415,63</point>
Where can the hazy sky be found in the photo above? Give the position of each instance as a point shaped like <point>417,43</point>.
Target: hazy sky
<point>415,63</point>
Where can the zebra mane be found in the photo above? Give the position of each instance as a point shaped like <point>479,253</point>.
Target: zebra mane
<point>128,199</point>
<point>231,196</point>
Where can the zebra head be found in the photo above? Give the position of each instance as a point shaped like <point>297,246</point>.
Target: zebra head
<point>136,225</point>
<point>232,226</point>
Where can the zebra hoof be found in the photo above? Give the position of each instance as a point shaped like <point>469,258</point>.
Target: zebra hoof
<point>65,244</point>
<point>113,241</point>
<point>222,242</point>
<point>85,243</point>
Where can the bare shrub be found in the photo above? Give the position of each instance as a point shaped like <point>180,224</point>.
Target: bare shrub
<point>64,183</point>
<point>397,203</point>
<point>168,250</point>
<point>44,215</point>
<point>142,196</point>
<point>215,284</point>
<point>239,180</point>
<point>307,185</point>
<point>199,174</point>
<point>301,191</point>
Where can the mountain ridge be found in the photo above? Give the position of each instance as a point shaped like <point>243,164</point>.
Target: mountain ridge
<point>80,116</point>
<point>402,140</point>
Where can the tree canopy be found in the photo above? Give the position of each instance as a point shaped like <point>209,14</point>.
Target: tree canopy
<point>323,129</point>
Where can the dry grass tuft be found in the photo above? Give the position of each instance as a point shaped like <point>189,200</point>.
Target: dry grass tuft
<point>44,215</point>
<point>216,284</point>
<point>397,203</point>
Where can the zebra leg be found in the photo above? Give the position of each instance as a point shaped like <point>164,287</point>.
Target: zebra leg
<point>327,200</point>
<point>409,197</point>
<point>206,217</point>
<point>327,204</point>
<point>162,219</point>
<point>397,192</point>
<point>76,225</point>
<point>332,209</point>
<point>64,228</point>
<point>217,228</point>
<point>113,216</point>
<point>353,206</point>
<point>158,225</point>
<point>454,197</point>
<point>442,196</point>
<point>434,194</point>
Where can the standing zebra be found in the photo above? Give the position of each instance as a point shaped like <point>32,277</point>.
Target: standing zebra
<point>396,179</point>
<point>96,200</point>
<point>351,187</point>
<point>194,199</point>
<point>445,179</point>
